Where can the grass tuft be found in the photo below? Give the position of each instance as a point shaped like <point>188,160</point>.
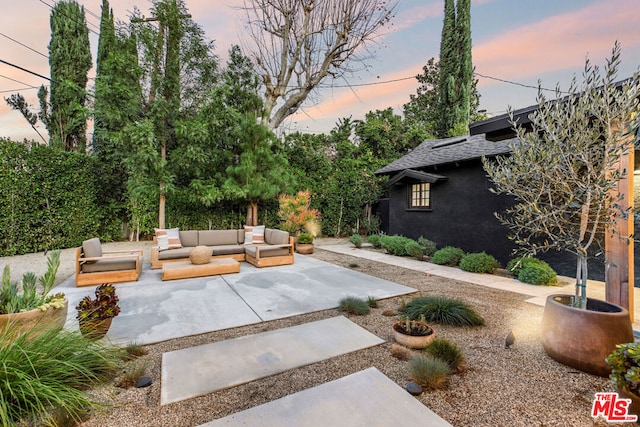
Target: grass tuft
<point>46,376</point>
<point>134,351</point>
<point>429,371</point>
<point>131,376</point>
<point>353,305</point>
<point>445,350</point>
<point>372,302</point>
<point>401,352</point>
<point>444,310</point>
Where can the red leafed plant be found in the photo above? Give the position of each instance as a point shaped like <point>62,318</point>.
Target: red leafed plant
<point>295,211</point>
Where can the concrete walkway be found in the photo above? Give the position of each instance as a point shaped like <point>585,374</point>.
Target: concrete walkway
<point>537,294</point>
<point>365,399</point>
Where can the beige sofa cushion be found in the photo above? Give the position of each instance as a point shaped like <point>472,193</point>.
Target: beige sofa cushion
<point>217,237</point>
<point>265,251</point>
<point>109,265</point>
<point>227,249</point>
<point>189,238</point>
<point>92,249</point>
<point>175,253</point>
<point>276,237</point>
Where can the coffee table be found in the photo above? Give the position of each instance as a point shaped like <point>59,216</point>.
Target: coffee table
<point>185,270</point>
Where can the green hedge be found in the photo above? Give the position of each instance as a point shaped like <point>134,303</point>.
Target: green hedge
<point>48,198</point>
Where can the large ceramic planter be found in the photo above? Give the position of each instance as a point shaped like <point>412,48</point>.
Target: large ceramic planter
<point>411,341</point>
<point>304,248</point>
<point>582,339</point>
<point>34,320</point>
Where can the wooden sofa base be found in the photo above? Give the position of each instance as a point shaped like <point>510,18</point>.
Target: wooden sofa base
<point>271,261</point>
<point>88,279</point>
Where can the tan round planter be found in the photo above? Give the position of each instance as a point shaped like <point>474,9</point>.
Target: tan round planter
<point>34,320</point>
<point>582,339</point>
<point>95,329</point>
<point>304,248</point>
<point>411,341</point>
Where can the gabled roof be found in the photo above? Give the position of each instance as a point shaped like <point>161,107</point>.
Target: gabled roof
<point>411,174</point>
<point>435,152</point>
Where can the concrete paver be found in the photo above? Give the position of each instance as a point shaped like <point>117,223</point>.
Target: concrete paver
<point>366,398</point>
<point>206,368</point>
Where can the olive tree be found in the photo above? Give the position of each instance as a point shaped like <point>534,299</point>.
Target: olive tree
<point>297,43</point>
<point>563,173</point>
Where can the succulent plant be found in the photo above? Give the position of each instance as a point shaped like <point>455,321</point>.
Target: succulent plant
<point>104,306</point>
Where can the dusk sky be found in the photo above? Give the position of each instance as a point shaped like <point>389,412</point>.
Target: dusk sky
<point>519,41</point>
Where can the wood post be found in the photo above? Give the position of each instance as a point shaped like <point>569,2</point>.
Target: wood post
<point>619,257</point>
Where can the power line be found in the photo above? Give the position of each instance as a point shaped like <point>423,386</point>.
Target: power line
<point>18,90</point>
<point>514,83</point>
<point>24,45</point>
<point>18,81</point>
<point>27,71</point>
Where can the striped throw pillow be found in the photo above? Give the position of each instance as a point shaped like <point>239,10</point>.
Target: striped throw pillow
<point>168,238</point>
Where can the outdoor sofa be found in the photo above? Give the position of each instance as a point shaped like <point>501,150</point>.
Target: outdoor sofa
<point>95,266</point>
<point>259,246</point>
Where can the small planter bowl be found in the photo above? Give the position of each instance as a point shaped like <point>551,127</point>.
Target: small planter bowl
<point>412,341</point>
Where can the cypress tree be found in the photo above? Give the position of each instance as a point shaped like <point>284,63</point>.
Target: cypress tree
<point>465,66</point>
<point>69,60</point>
<point>456,69</point>
<point>446,81</point>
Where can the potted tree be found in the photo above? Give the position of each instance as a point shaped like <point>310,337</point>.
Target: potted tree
<point>625,373</point>
<point>32,310</point>
<point>305,244</point>
<point>96,314</point>
<point>564,176</point>
<point>412,333</point>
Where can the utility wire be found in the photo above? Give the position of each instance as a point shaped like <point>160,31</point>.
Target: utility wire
<point>18,81</point>
<point>514,83</point>
<point>24,45</point>
<point>18,90</point>
<point>26,71</point>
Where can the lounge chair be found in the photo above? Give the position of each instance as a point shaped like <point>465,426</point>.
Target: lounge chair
<point>95,266</point>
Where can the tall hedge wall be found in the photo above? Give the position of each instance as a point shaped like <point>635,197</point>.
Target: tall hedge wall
<point>47,198</point>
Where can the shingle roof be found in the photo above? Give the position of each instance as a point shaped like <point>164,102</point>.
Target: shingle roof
<point>442,151</point>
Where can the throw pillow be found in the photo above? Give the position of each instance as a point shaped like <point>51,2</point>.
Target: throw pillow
<point>253,234</point>
<point>168,238</point>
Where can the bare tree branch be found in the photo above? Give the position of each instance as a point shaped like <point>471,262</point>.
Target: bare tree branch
<point>297,43</point>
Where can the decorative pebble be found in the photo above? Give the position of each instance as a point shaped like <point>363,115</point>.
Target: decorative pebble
<point>414,388</point>
<point>144,382</point>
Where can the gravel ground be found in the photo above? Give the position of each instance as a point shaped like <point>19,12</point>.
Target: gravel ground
<point>518,386</point>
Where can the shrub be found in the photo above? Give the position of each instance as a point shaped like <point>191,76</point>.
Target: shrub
<point>395,245</point>
<point>448,256</point>
<point>533,271</point>
<point>305,239</point>
<point>445,350</point>
<point>479,263</point>
<point>428,245</point>
<point>356,239</point>
<point>429,371</point>
<point>414,249</point>
<point>374,239</point>
<point>449,311</point>
<point>353,305</point>
<point>49,373</point>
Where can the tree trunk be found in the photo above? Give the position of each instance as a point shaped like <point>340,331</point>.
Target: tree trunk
<point>252,213</point>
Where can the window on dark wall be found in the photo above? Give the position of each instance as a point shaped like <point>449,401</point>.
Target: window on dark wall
<point>420,196</point>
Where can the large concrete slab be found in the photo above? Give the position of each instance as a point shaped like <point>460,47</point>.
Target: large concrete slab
<point>306,286</point>
<point>199,370</point>
<point>154,311</point>
<point>364,399</point>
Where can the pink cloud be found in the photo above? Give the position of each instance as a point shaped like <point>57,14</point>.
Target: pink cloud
<point>560,42</point>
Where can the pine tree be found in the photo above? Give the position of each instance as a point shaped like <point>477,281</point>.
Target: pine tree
<point>260,173</point>
<point>70,61</point>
